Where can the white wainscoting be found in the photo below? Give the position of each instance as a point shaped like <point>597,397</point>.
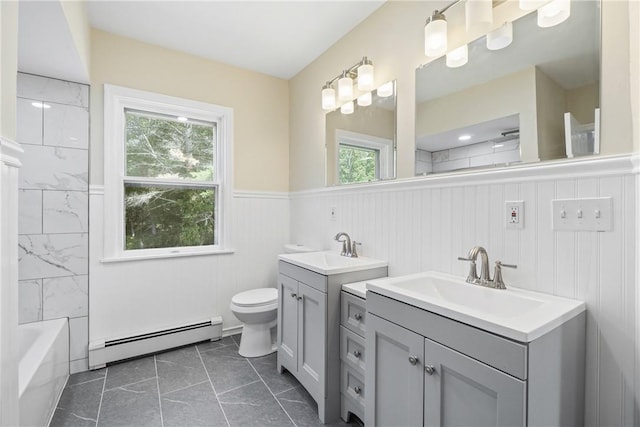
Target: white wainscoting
<point>425,224</point>
<point>133,297</point>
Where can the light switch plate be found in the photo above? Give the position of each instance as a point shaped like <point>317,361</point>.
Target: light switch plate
<point>593,214</point>
<point>514,214</point>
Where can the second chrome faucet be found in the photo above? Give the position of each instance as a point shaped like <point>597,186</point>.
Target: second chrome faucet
<point>485,278</point>
<point>348,247</point>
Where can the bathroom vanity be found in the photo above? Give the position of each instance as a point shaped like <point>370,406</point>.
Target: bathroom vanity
<point>442,352</point>
<point>309,286</point>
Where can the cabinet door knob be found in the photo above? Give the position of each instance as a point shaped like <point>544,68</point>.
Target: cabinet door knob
<point>299,298</point>
<point>357,316</point>
<point>430,369</point>
<point>357,389</point>
<point>413,360</point>
<point>357,353</point>
<point>293,295</point>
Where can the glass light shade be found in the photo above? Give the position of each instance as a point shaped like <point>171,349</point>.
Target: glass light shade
<point>365,100</point>
<point>500,37</point>
<point>435,37</point>
<point>328,99</point>
<point>530,4</point>
<point>554,13</point>
<point>345,89</point>
<point>347,108</point>
<point>478,14</point>
<point>365,77</point>
<point>385,90</point>
<point>458,57</point>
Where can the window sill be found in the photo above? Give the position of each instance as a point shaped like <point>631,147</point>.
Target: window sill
<point>163,255</point>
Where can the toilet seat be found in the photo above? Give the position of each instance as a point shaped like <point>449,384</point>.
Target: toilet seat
<point>255,297</point>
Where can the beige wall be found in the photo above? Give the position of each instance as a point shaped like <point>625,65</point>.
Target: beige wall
<point>260,103</point>
<point>77,18</point>
<point>581,102</point>
<point>393,38</point>
<point>634,53</point>
<point>8,67</point>
<point>551,105</point>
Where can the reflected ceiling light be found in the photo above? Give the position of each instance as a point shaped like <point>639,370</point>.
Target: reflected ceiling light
<point>531,4</point>
<point>464,137</point>
<point>365,100</point>
<point>435,34</point>
<point>554,13</point>
<point>478,15</point>
<point>362,71</point>
<point>40,105</point>
<point>385,90</point>
<point>347,108</point>
<point>458,57</point>
<point>500,37</point>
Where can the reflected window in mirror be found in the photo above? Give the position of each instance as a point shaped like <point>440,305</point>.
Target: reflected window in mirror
<point>547,80</point>
<point>360,146</point>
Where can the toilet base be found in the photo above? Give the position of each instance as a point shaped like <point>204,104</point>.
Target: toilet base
<point>256,340</point>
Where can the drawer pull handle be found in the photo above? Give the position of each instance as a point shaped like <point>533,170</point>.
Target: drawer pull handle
<point>299,298</point>
<point>358,316</point>
<point>413,360</point>
<point>357,389</point>
<point>430,369</point>
<point>293,295</point>
<point>357,353</point>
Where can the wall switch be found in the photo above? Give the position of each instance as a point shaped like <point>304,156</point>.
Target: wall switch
<point>333,213</point>
<point>594,214</point>
<point>514,214</point>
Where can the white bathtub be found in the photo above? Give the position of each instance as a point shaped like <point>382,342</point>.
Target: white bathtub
<point>43,369</point>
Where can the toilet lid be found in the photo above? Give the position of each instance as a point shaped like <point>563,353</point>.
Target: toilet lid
<point>255,297</point>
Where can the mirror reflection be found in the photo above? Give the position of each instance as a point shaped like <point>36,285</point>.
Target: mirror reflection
<point>536,99</point>
<point>361,145</point>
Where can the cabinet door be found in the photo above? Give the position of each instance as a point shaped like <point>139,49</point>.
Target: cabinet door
<point>288,323</point>
<point>460,391</point>
<point>312,336</point>
<point>393,374</point>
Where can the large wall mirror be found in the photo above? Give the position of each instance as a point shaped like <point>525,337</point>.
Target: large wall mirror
<point>361,145</point>
<point>536,99</point>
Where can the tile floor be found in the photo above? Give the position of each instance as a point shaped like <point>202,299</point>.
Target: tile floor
<point>207,384</point>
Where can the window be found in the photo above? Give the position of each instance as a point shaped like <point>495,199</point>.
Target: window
<point>363,158</point>
<point>167,175</point>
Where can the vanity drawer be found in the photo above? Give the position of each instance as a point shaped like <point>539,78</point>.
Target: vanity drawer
<point>353,313</point>
<point>352,388</point>
<point>352,350</point>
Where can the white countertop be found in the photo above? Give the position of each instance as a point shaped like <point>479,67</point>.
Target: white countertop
<point>328,263</point>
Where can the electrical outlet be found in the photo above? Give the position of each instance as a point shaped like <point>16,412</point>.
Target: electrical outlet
<point>514,215</point>
<point>333,213</point>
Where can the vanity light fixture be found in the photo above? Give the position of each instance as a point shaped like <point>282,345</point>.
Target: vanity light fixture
<point>464,137</point>
<point>531,4</point>
<point>365,100</point>
<point>435,34</point>
<point>478,14</point>
<point>458,57</point>
<point>554,13</point>
<point>347,108</point>
<point>500,37</point>
<point>361,71</point>
<point>385,90</point>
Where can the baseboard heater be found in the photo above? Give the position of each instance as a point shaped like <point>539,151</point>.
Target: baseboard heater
<point>102,352</point>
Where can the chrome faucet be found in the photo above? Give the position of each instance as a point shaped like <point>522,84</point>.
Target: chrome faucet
<point>484,279</point>
<point>348,248</point>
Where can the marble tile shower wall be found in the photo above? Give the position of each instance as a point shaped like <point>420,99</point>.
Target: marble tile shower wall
<point>53,129</point>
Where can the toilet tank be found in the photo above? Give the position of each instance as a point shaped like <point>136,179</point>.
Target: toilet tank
<point>294,248</point>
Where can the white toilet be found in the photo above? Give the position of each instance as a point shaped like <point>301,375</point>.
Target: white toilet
<point>257,309</point>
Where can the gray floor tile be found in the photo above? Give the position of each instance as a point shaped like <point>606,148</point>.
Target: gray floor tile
<point>78,405</point>
<point>131,405</point>
<point>179,369</point>
<point>236,338</point>
<point>227,369</point>
<point>303,410</point>
<point>83,377</point>
<point>253,405</point>
<point>193,406</point>
<point>130,372</point>
<point>266,367</point>
<point>212,345</point>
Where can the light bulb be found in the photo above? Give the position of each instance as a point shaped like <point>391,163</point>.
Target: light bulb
<point>328,98</point>
<point>554,13</point>
<point>530,4</point>
<point>385,90</point>
<point>345,88</point>
<point>365,100</point>
<point>347,108</point>
<point>478,15</point>
<point>500,37</point>
<point>435,35</point>
<point>365,77</point>
<point>458,57</point>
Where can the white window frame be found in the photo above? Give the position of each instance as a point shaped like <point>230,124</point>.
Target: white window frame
<point>116,100</point>
<point>384,147</point>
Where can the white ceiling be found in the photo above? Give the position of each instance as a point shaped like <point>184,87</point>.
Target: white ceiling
<point>278,38</point>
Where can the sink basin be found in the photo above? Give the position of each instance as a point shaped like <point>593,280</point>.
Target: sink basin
<point>513,313</point>
<point>328,263</point>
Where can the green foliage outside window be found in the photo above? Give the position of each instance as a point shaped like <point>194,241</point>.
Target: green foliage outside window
<point>171,213</point>
<point>357,164</point>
